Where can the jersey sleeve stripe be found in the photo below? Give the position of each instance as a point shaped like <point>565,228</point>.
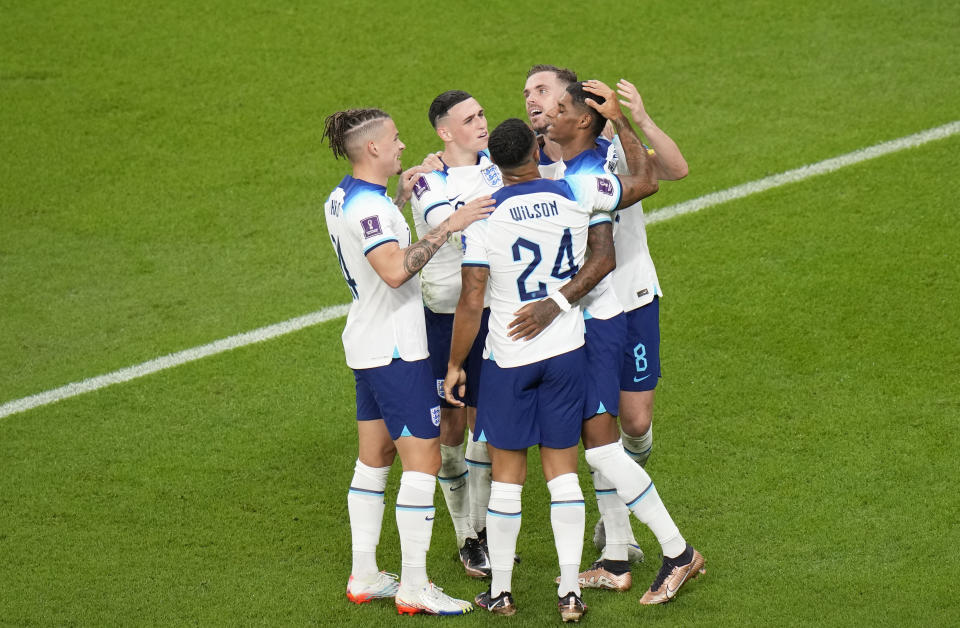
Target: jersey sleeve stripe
<point>367,250</point>
<point>435,206</point>
<point>599,220</point>
<point>476,264</point>
<point>619,190</point>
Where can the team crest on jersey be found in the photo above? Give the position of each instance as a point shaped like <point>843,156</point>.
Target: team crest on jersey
<point>492,176</point>
<point>604,186</point>
<point>371,226</point>
<point>421,187</point>
<point>435,415</point>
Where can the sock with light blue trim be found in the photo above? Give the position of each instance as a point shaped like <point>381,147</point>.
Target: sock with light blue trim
<point>567,518</point>
<point>638,447</point>
<point>636,489</point>
<point>478,461</point>
<point>365,505</point>
<point>455,485</point>
<point>415,513</point>
<point>503,527</point>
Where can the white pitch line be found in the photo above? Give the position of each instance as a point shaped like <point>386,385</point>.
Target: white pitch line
<point>336,311</point>
<point>174,359</point>
<point>804,172</point>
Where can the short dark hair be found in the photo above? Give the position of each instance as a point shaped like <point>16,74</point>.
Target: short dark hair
<point>337,127</point>
<point>566,75</point>
<point>442,104</point>
<point>579,96</point>
<point>510,143</point>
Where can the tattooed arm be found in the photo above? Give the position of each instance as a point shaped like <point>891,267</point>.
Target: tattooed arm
<point>395,265</point>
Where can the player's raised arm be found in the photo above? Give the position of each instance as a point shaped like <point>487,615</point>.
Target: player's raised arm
<point>642,180</point>
<point>395,265</point>
<point>668,161</point>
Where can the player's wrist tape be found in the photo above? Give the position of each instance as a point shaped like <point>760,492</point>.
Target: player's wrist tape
<point>561,301</point>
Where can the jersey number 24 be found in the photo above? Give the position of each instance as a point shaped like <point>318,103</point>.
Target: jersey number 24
<point>564,258</point>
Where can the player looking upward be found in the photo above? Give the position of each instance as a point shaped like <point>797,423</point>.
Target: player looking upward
<point>531,393</point>
<point>386,346</point>
<point>466,174</point>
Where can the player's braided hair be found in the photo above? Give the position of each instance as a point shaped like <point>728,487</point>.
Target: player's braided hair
<point>565,75</point>
<point>442,104</point>
<point>579,96</point>
<point>338,127</point>
<point>510,143</point>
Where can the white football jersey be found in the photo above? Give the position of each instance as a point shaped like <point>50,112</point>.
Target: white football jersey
<point>436,195</point>
<point>533,243</point>
<point>634,282</point>
<point>601,302</point>
<point>383,322</point>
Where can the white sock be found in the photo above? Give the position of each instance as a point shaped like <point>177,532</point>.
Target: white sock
<point>456,490</point>
<point>365,505</point>
<point>616,518</point>
<point>503,527</point>
<point>479,479</point>
<point>567,518</point>
<point>415,513</point>
<point>636,489</point>
<point>638,447</point>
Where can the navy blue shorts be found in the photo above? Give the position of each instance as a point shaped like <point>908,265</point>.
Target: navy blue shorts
<point>604,346</point>
<point>640,368</point>
<point>533,404</point>
<point>402,394</point>
<point>439,333</point>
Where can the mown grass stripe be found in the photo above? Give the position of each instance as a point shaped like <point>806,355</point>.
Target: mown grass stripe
<point>337,311</point>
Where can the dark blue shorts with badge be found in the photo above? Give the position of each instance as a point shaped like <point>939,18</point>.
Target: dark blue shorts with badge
<point>533,404</point>
<point>439,333</point>
<point>402,394</point>
<point>640,367</point>
<point>604,340</point>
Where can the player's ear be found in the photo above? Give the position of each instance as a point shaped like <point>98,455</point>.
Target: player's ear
<point>372,149</point>
<point>444,134</point>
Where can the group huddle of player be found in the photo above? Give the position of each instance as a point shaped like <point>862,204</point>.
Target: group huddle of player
<point>526,314</point>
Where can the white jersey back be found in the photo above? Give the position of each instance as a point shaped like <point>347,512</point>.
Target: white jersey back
<point>634,281</point>
<point>436,195</point>
<point>383,322</point>
<point>601,302</point>
<point>533,243</point>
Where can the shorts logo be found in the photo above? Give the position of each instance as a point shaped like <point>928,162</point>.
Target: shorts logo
<point>440,388</point>
<point>421,187</point>
<point>604,186</point>
<point>371,226</point>
<point>642,293</point>
<point>492,176</point>
<point>435,415</point>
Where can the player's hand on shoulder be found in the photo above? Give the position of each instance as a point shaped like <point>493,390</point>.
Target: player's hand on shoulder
<point>630,98</point>
<point>532,319</point>
<point>455,378</point>
<point>407,180</point>
<point>611,106</point>
<point>433,161</point>
<point>477,209</point>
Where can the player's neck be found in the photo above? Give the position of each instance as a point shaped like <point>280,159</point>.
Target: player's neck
<point>551,149</point>
<point>370,173</point>
<point>455,156</point>
<point>577,146</point>
<point>521,174</point>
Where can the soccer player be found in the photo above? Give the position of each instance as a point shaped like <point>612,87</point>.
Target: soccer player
<point>635,279</point>
<point>531,393</point>
<point>466,174</point>
<point>386,346</point>
<point>575,126</point>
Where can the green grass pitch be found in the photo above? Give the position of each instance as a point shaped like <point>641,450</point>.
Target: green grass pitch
<point>161,178</point>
